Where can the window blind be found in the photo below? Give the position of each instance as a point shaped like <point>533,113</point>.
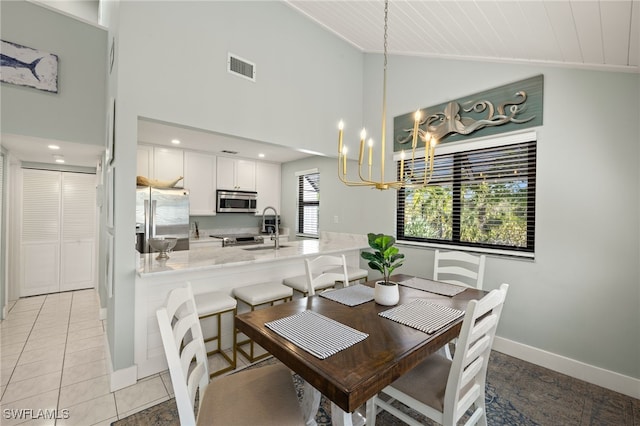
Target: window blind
<point>476,198</point>
<point>308,203</point>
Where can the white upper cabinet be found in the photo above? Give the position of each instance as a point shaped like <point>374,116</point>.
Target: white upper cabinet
<point>200,180</point>
<point>156,162</point>
<point>168,164</point>
<point>268,185</point>
<point>236,174</point>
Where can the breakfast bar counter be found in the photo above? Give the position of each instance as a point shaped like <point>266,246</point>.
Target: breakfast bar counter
<point>208,258</point>
<point>220,269</point>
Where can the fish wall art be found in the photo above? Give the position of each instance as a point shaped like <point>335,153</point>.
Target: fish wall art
<point>29,67</point>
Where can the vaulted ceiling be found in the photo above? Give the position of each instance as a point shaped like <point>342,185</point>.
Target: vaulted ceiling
<point>594,34</point>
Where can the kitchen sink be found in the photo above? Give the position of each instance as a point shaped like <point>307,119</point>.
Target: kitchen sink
<point>266,247</point>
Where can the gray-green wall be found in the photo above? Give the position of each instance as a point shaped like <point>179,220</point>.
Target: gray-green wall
<point>77,112</point>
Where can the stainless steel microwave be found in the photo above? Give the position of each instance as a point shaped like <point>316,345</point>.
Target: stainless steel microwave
<point>236,201</point>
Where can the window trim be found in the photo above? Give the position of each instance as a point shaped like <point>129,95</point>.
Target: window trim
<point>467,145</point>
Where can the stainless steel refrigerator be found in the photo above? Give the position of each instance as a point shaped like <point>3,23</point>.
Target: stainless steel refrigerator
<point>162,213</point>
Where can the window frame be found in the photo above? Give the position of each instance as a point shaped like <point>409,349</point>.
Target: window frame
<point>300,204</point>
<point>472,145</point>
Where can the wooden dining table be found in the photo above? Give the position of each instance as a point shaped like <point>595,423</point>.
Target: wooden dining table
<point>352,376</point>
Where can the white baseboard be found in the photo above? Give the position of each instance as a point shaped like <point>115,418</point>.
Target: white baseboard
<point>122,378</point>
<point>595,375</point>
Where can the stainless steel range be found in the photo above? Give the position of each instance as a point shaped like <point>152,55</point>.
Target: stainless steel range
<point>229,240</point>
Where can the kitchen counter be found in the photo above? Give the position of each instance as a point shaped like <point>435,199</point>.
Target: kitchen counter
<point>199,258</point>
<point>220,269</point>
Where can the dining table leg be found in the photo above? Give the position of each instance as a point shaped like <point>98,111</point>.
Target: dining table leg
<point>339,417</point>
<point>310,403</point>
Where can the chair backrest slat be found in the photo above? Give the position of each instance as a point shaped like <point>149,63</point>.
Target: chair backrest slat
<point>450,266</point>
<point>314,270</point>
<point>184,346</point>
<point>469,366</point>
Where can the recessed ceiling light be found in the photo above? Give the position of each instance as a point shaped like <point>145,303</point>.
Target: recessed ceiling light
<point>54,147</point>
<point>261,155</point>
<point>59,158</point>
<point>175,141</point>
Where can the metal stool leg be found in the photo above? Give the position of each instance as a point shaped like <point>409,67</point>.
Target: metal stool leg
<point>251,356</point>
<point>218,350</point>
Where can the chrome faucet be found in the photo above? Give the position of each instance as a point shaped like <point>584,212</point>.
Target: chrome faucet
<point>277,226</point>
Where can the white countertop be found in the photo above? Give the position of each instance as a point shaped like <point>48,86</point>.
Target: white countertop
<point>199,258</point>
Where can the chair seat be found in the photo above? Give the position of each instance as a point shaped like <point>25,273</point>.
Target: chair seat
<point>352,272</point>
<point>212,302</point>
<point>258,294</point>
<point>433,370</point>
<point>260,396</point>
<point>299,282</point>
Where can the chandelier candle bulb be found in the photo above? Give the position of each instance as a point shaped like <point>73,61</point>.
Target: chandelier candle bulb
<point>344,160</point>
<point>340,127</point>
<point>415,129</point>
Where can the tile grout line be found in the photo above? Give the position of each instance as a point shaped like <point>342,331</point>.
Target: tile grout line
<point>24,345</point>
<point>64,355</point>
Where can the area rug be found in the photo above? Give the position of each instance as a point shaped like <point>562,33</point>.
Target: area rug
<point>517,393</point>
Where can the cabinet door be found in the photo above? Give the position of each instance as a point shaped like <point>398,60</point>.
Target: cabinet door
<point>226,170</point>
<point>200,180</point>
<point>246,175</point>
<point>268,185</point>
<point>145,161</point>
<point>168,164</point>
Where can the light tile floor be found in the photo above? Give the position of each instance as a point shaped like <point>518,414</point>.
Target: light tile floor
<point>53,365</point>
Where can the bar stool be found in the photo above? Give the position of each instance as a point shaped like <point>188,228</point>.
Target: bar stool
<point>215,304</point>
<point>256,295</point>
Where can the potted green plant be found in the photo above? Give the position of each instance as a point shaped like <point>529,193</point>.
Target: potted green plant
<point>385,258</point>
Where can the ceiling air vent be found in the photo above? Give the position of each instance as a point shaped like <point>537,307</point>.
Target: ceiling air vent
<point>226,151</point>
<point>241,67</point>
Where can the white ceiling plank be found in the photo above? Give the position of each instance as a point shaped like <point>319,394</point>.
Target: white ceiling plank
<point>634,36</point>
<point>563,26</point>
<point>616,21</point>
<point>475,23</point>
<point>503,29</point>
<point>544,44</point>
<point>586,15</point>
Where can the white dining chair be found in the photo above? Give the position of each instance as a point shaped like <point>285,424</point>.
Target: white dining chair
<point>316,276</point>
<point>458,267</point>
<point>441,389</point>
<point>264,395</point>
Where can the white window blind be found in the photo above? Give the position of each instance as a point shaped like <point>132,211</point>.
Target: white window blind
<point>308,203</point>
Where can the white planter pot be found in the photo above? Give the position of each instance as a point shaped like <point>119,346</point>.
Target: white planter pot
<point>387,295</point>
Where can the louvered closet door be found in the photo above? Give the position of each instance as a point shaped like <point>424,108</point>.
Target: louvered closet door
<point>78,231</point>
<point>40,232</point>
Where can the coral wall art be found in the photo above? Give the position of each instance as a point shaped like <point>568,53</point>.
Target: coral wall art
<point>29,67</point>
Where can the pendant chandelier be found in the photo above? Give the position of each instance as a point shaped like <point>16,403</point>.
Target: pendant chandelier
<point>408,178</point>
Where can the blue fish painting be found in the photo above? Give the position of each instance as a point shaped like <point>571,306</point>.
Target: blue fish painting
<point>25,66</point>
<point>7,61</point>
